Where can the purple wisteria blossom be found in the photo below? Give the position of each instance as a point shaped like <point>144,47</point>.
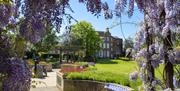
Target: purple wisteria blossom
<point>171,57</point>
<point>165,31</point>
<point>134,76</point>
<point>139,40</point>
<point>161,52</point>
<point>131,8</point>
<point>19,76</point>
<point>155,61</point>
<point>176,82</point>
<point>5,14</point>
<point>120,6</point>
<point>142,53</point>
<point>152,48</point>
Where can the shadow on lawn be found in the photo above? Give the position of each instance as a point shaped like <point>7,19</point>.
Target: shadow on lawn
<point>106,61</point>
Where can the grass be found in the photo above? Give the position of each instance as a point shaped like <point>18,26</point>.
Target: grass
<point>118,66</point>
<point>113,71</point>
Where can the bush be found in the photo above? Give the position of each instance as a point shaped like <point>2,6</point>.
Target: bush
<point>95,75</point>
<point>100,76</point>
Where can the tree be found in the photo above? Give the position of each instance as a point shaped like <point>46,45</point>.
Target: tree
<point>128,43</point>
<point>88,38</point>
<point>48,42</point>
<point>161,20</point>
<point>37,16</point>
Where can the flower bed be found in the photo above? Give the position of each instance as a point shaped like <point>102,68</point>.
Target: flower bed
<point>65,68</point>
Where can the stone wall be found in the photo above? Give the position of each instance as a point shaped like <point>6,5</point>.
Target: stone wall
<point>84,85</point>
<point>87,85</point>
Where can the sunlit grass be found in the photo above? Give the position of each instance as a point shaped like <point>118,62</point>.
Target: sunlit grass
<point>113,71</point>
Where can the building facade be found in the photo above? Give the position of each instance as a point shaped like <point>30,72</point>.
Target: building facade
<point>111,46</point>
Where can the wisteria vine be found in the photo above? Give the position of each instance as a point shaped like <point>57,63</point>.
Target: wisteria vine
<point>27,21</point>
<point>154,42</point>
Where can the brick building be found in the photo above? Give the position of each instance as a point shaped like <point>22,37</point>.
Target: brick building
<point>111,46</point>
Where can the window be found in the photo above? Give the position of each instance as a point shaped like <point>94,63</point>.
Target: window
<point>107,38</point>
<point>101,53</point>
<point>104,45</point>
<point>107,53</point>
<point>104,53</point>
<point>107,45</point>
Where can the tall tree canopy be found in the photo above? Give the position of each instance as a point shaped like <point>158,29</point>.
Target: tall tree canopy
<point>128,43</point>
<point>48,42</point>
<point>87,36</point>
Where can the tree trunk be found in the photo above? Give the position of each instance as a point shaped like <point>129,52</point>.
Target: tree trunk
<point>169,72</point>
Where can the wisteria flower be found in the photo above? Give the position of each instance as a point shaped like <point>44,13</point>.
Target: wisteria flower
<point>165,31</point>
<point>152,48</point>
<point>177,55</point>
<point>134,76</point>
<point>142,53</point>
<point>171,57</point>
<point>175,82</point>
<point>161,52</point>
<point>155,61</point>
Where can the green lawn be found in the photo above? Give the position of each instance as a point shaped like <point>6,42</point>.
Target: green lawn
<point>114,71</point>
<point>117,66</point>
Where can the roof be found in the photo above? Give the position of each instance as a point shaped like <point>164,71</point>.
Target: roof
<point>101,33</point>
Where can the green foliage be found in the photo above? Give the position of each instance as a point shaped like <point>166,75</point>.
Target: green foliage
<point>48,42</point>
<point>53,60</point>
<point>82,63</point>
<point>125,59</point>
<point>6,1</point>
<point>100,76</point>
<point>106,70</point>
<point>128,43</point>
<point>88,38</point>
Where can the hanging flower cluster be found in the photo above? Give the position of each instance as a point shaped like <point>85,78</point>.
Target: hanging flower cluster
<point>19,76</point>
<point>134,76</point>
<point>29,20</point>
<point>161,20</point>
<point>5,13</point>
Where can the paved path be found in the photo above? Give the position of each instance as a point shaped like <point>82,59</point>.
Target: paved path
<point>45,89</point>
<point>47,83</point>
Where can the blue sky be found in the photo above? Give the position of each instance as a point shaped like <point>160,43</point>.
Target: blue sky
<point>100,24</point>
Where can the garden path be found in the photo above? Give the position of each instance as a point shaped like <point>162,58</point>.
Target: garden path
<point>47,83</point>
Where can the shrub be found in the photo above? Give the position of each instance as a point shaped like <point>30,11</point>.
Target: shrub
<point>100,76</point>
